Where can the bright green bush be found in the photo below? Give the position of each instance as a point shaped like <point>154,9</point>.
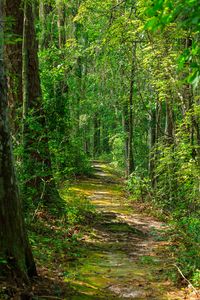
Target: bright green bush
<point>139,186</point>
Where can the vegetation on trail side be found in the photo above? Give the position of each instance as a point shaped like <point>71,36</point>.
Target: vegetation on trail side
<point>109,80</point>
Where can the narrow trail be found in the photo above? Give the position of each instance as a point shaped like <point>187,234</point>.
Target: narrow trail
<point>121,259</point>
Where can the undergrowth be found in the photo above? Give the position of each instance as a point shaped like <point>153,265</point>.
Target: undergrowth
<point>183,220</point>
<point>57,240</point>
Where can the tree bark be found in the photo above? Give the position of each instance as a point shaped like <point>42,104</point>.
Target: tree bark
<point>14,245</point>
<point>37,161</point>
<point>13,58</point>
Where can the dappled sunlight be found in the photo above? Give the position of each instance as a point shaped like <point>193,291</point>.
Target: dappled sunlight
<point>120,259</point>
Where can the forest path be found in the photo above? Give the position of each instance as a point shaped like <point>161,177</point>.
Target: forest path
<point>121,259</point>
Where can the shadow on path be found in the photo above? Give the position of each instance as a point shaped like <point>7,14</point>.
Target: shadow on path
<point>120,259</point>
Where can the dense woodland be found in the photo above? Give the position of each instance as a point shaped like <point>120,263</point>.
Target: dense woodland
<point>113,80</point>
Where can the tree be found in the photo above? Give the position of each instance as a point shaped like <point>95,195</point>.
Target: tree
<point>131,163</point>
<point>13,57</point>
<point>14,245</point>
<point>37,161</point>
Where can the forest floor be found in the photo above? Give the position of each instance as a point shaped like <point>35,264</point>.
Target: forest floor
<point>124,253</point>
<point>115,252</point>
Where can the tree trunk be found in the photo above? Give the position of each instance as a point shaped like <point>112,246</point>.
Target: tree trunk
<point>152,145</point>
<point>156,130</point>
<point>105,138</point>
<point>13,58</point>
<point>125,125</point>
<point>131,163</point>
<point>14,246</point>
<point>44,10</point>
<point>169,125</point>
<point>37,160</point>
<point>97,136</point>
<point>61,23</point>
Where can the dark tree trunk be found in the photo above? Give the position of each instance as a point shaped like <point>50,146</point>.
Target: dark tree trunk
<point>13,57</point>
<point>37,160</point>
<point>32,64</point>
<point>14,246</point>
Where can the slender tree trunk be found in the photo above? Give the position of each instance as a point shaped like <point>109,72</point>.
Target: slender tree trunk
<point>97,135</point>
<point>44,11</point>
<point>14,246</point>
<point>152,145</point>
<point>61,23</point>
<point>169,125</point>
<point>78,94</point>
<point>79,78</point>
<point>131,162</point>
<point>105,138</point>
<point>125,125</point>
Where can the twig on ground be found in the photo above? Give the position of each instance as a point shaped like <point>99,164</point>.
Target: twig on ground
<point>190,284</point>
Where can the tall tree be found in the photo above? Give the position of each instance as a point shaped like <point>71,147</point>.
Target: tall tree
<point>14,245</point>
<point>37,160</point>
<point>13,56</point>
<point>131,162</point>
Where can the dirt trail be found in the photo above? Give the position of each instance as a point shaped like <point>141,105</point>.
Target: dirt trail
<point>121,260</point>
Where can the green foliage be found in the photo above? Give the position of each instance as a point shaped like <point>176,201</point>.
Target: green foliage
<point>177,194</point>
<point>186,15</point>
<point>68,156</point>
<point>118,149</point>
<point>188,248</point>
<point>196,278</point>
<point>58,238</point>
<point>3,261</point>
<point>78,209</point>
<point>33,161</point>
<point>177,174</point>
<point>139,186</point>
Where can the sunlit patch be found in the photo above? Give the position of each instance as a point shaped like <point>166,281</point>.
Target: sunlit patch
<point>119,258</point>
